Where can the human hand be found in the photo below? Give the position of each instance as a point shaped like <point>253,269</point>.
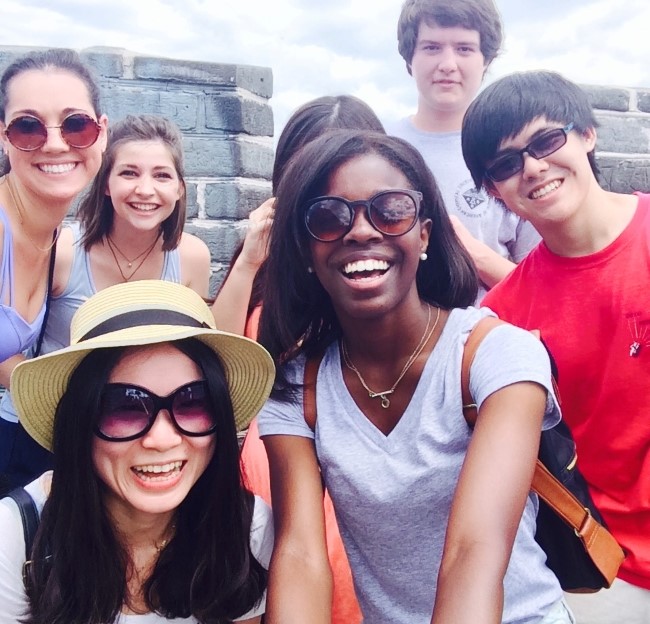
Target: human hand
<point>256,244</point>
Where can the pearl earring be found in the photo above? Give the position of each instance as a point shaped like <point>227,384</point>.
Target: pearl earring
<point>423,256</point>
<point>310,269</point>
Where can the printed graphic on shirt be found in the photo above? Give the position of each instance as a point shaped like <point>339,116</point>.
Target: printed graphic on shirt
<point>470,201</point>
<point>639,332</point>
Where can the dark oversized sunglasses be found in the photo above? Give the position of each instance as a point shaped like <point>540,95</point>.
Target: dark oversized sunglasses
<point>128,412</point>
<point>544,145</point>
<point>28,133</point>
<point>393,213</point>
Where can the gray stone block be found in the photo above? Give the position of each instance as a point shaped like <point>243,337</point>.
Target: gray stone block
<point>233,199</point>
<point>192,205</point>
<point>221,237</point>
<point>608,98</point>
<point>643,100</point>
<point>625,134</point>
<point>225,157</point>
<point>625,175</point>
<point>257,80</point>
<point>232,113</point>
<point>181,106</point>
<point>106,62</point>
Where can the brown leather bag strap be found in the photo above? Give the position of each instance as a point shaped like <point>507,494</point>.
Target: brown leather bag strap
<point>309,389</point>
<point>605,552</point>
<point>481,329</point>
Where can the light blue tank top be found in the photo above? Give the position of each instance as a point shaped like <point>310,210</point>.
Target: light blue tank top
<point>16,334</point>
<point>80,287</point>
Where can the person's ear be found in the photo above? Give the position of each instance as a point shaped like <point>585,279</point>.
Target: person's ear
<point>491,189</point>
<point>590,137</point>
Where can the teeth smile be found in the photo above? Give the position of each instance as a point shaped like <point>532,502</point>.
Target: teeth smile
<point>545,190</point>
<point>145,207</point>
<point>150,471</point>
<point>63,168</point>
<point>361,266</point>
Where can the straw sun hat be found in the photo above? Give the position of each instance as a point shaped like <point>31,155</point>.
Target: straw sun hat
<point>139,313</point>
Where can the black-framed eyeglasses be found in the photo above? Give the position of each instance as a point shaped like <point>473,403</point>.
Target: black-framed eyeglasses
<point>393,213</point>
<point>544,145</point>
<point>128,412</point>
<point>28,133</point>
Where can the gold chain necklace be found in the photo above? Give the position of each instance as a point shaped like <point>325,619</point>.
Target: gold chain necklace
<point>20,209</point>
<point>117,262</point>
<point>385,401</point>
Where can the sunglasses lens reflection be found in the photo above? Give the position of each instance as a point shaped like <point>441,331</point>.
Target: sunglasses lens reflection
<point>328,219</point>
<point>29,133</point>
<point>392,213</point>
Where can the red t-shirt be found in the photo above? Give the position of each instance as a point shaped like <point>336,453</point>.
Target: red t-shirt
<point>594,314</point>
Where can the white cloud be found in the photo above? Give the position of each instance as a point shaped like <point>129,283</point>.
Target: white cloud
<point>340,46</point>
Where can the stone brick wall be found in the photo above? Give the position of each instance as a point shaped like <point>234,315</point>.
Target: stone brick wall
<point>224,114</point>
<point>623,148</point>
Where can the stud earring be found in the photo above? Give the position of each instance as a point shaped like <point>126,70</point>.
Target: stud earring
<point>310,269</point>
<point>423,256</point>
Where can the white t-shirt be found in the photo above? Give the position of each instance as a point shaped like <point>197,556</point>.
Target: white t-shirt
<point>486,217</point>
<point>13,602</point>
<point>392,493</point>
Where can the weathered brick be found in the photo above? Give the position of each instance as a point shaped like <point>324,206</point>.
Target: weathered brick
<point>224,157</point>
<point>257,80</point>
<point>624,133</point>
<point>192,206</point>
<point>106,61</point>
<point>221,237</point>
<point>234,199</point>
<point>233,113</point>
<point>181,106</point>
<point>625,175</point>
<point>643,100</point>
<point>608,98</point>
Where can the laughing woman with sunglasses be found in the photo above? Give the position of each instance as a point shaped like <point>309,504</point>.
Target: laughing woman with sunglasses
<point>144,518</point>
<point>369,285</point>
<point>52,137</point>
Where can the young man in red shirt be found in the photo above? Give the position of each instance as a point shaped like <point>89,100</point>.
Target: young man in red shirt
<point>530,138</point>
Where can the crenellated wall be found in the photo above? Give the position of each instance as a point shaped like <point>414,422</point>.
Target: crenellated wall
<point>224,114</point>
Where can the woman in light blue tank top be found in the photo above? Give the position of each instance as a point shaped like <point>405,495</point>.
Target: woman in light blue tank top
<point>50,155</point>
<point>53,135</point>
<point>130,228</point>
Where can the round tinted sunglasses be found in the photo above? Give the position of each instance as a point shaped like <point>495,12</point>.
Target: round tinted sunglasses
<point>393,213</point>
<point>128,412</point>
<point>29,133</point>
<point>505,167</point>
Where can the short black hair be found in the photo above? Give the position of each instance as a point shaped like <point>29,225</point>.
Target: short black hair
<point>504,108</point>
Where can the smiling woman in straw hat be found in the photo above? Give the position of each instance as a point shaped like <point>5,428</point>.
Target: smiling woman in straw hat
<point>144,518</point>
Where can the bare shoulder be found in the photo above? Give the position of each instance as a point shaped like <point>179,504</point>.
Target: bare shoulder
<point>195,263</point>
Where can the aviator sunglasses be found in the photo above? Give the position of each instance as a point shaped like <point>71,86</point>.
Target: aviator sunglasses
<point>128,412</point>
<point>28,133</point>
<point>393,213</point>
<point>544,145</point>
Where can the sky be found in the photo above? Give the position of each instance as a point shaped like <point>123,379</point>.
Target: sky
<point>329,47</point>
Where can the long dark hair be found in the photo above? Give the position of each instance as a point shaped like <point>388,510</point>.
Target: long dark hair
<point>54,59</point>
<point>95,211</point>
<point>79,566</point>
<point>311,120</point>
<point>298,315</point>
